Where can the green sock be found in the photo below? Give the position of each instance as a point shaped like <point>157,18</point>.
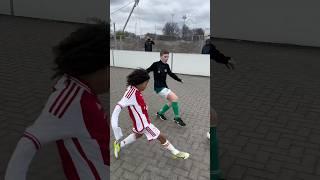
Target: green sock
<point>164,109</point>
<point>175,108</point>
<point>214,155</point>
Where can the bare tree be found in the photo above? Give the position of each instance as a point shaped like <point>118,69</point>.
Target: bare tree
<point>186,32</point>
<point>171,29</point>
<point>198,31</point>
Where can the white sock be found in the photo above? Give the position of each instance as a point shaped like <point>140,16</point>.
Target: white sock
<point>128,140</point>
<point>169,146</point>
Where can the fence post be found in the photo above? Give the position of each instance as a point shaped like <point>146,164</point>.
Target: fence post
<point>120,40</point>
<point>11,8</point>
<point>172,62</point>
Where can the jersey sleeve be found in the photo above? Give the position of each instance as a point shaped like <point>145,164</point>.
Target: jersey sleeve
<point>82,116</point>
<point>115,123</point>
<point>216,55</point>
<point>47,129</point>
<point>20,160</point>
<point>152,67</point>
<point>173,75</point>
<point>127,99</point>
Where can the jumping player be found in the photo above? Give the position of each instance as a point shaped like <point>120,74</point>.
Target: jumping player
<point>160,70</point>
<point>73,116</point>
<point>137,82</point>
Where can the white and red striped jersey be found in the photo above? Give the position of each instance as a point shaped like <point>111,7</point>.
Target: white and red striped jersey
<point>74,118</point>
<point>137,107</point>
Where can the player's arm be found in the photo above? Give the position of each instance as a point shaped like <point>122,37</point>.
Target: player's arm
<point>124,102</point>
<point>173,75</point>
<point>35,136</point>
<point>219,57</point>
<point>21,159</point>
<point>151,68</point>
<point>115,122</point>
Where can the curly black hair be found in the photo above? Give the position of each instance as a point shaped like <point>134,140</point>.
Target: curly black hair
<point>84,51</point>
<point>137,77</point>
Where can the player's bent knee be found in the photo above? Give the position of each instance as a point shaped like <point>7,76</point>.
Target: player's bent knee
<point>161,138</point>
<point>175,100</point>
<point>173,97</point>
<point>138,135</point>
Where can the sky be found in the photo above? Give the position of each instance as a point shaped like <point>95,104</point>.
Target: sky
<point>151,15</point>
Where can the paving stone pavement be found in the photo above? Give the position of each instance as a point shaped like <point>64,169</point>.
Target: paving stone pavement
<point>145,160</point>
<point>269,110</point>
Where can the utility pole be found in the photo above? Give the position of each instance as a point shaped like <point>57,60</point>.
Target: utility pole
<point>135,4</point>
<point>135,29</point>
<point>115,35</point>
<point>172,18</point>
<point>184,17</point>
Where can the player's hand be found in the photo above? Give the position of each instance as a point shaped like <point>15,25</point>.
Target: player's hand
<point>117,132</point>
<point>181,81</point>
<point>231,64</point>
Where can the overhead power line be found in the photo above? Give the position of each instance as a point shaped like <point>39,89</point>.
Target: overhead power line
<point>122,7</point>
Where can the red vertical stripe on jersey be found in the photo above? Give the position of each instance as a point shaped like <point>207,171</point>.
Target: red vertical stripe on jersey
<point>69,102</point>
<point>90,164</point>
<point>57,99</point>
<point>96,124</point>
<point>142,105</point>
<point>64,99</point>
<point>139,116</point>
<point>132,118</point>
<point>68,166</point>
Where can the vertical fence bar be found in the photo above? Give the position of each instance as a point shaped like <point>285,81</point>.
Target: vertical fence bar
<point>11,8</point>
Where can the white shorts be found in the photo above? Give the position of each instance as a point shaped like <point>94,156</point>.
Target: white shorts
<point>164,93</point>
<point>150,131</point>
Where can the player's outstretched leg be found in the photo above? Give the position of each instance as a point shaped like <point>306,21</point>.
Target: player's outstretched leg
<point>128,140</point>
<point>173,98</point>
<point>176,153</point>
<point>163,110</point>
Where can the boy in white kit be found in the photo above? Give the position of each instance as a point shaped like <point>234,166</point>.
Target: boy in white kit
<point>137,82</point>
